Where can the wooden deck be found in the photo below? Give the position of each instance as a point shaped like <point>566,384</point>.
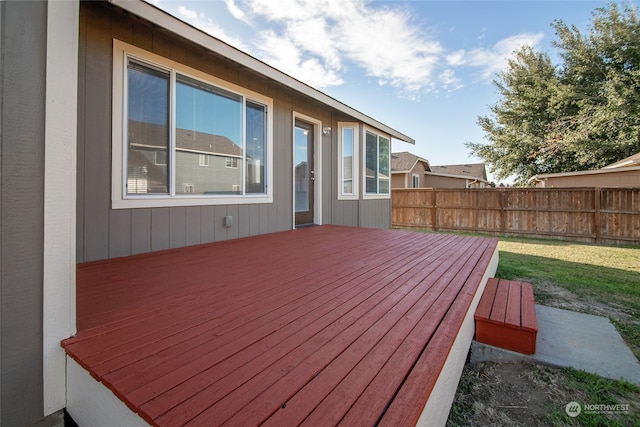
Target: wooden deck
<point>318,326</point>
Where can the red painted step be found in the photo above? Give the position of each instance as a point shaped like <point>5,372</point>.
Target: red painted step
<point>506,316</point>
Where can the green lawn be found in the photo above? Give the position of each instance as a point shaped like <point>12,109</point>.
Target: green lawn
<point>607,274</point>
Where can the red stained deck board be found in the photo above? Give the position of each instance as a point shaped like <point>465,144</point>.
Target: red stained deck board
<point>514,303</point>
<point>406,310</point>
<point>211,365</point>
<point>528,315</point>
<point>486,301</point>
<point>314,318</point>
<point>359,301</point>
<point>499,308</point>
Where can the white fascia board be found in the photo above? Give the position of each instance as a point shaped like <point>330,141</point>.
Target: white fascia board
<point>181,28</point>
<point>588,172</point>
<point>448,175</point>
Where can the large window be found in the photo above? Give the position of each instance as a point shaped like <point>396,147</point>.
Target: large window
<point>377,166</point>
<point>348,161</point>
<point>186,138</point>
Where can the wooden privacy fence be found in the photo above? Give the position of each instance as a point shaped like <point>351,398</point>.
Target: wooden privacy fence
<point>600,215</point>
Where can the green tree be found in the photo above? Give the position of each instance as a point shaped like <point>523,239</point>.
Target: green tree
<point>582,114</point>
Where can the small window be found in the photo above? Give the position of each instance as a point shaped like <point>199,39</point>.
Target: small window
<point>416,181</point>
<point>377,164</point>
<point>203,160</point>
<point>348,161</point>
<point>161,158</point>
<point>232,162</point>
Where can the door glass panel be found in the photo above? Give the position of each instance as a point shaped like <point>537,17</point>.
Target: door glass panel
<point>301,162</point>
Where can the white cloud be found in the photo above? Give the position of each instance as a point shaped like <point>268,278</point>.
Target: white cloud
<point>317,41</point>
<point>283,54</point>
<point>206,24</point>
<point>449,81</point>
<point>493,60</point>
<point>327,34</point>
<point>456,58</point>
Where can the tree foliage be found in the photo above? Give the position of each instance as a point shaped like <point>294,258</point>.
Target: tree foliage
<point>582,114</point>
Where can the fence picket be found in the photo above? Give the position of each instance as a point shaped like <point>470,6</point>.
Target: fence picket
<point>600,215</point>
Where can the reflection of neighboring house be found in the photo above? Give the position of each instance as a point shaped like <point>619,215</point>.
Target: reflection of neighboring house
<point>205,163</point>
<point>374,178</point>
<point>624,173</point>
<point>408,170</point>
<point>458,176</point>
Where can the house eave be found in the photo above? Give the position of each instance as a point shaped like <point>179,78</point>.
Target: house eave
<point>448,175</point>
<point>161,18</point>
<point>542,177</point>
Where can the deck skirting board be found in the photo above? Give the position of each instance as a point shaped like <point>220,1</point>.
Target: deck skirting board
<point>91,403</point>
<point>436,410</point>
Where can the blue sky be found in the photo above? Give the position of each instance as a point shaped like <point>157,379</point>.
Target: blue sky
<point>424,68</point>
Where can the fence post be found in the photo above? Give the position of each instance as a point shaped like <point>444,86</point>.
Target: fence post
<point>434,214</point>
<point>597,218</point>
<point>503,214</point>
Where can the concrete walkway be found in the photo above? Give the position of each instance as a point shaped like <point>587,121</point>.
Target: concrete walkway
<point>570,339</point>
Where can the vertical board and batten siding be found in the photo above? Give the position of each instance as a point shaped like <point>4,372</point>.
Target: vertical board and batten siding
<point>104,233</point>
<point>601,215</point>
<point>23,29</point>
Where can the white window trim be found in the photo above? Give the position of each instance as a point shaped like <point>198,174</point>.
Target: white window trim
<point>413,177</point>
<point>355,174</point>
<point>119,198</point>
<point>365,195</point>
<point>317,166</point>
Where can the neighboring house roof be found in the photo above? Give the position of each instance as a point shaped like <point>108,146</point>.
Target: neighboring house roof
<point>630,163</point>
<point>543,176</point>
<point>171,23</point>
<point>625,163</point>
<point>149,135</point>
<point>404,162</point>
<point>474,170</point>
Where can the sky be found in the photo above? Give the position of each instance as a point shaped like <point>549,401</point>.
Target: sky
<point>425,68</point>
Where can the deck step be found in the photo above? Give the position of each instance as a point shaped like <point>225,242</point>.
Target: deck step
<point>506,316</point>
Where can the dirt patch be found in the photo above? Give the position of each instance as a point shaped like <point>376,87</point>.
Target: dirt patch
<point>555,296</point>
<point>510,394</point>
<point>523,394</point>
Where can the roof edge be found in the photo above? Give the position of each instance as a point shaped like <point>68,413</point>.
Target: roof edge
<point>543,176</point>
<point>449,175</point>
<point>159,17</point>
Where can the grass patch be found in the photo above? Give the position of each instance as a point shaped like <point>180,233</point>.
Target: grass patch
<point>605,272</point>
<point>594,393</point>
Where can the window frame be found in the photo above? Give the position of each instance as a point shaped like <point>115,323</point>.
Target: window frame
<point>378,134</point>
<point>355,161</point>
<point>122,52</point>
